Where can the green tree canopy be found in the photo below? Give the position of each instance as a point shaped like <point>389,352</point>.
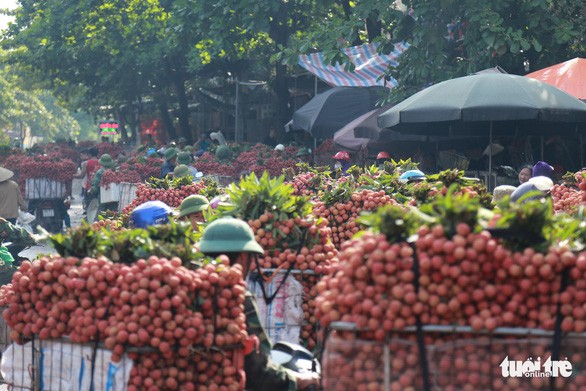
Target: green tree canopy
<point>451,38</point>
<point>22,107</point>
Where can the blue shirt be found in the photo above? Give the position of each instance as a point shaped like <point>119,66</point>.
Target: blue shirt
<point>167,168</point>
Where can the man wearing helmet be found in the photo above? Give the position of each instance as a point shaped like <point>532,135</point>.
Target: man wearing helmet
<point>381,158</point>
<point>235,239</point>
<point>304,155</point>
<point>343,162</point>
<point>192,208</point>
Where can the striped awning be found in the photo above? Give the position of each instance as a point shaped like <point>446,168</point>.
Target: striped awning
<point>369,66</point>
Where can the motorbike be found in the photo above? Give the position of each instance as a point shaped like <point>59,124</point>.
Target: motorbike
<point>295,358</point>
<point>49,213</point>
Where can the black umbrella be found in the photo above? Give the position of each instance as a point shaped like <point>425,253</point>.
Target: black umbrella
<point>329,111</point>
<point>364,131</point>
<point>484,104</point>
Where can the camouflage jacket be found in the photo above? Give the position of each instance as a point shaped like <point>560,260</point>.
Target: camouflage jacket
<point>11,233</point>
<point>261,373</point>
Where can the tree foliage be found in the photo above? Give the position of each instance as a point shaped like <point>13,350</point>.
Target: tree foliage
<point>451,38</point>
<point>116,51</point>
<point>24,107</point>
<point>96,53</point>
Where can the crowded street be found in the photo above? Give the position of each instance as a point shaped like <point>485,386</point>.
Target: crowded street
<point>292,195</point>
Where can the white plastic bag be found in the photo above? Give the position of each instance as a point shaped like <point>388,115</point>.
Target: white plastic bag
<point>24,220</point>
<point>282,318</point>
<point>63,366</point>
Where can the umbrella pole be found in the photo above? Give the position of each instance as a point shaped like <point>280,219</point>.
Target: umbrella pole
<point>490,188</point>
<point>437,156</point>
<point>581,151</point>
<point>541,148</point>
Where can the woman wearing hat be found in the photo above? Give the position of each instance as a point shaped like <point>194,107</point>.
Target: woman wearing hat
<point>10,196</point>
<point>192,208</point>
<point>542,169</point>
<point>343,162</point>
<point>170,162</point>
<point>107,163</point>
<point>540,186</point>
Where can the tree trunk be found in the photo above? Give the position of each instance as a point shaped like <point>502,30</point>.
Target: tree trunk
<point>167,121</point>
<point>282,91</point>
<point>279,32</point>
<point>130,119</point>
<point>122,125</point>
<point>348,13</point>
<point>177,76</point>
<point>373,26</point>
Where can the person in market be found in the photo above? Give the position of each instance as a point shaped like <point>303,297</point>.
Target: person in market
<point>343,161</point>
<point>381,158</point>
<point>542,169</point>
<point>150,141</point>
<point>218,137</point>
<point>185,158</point>
<point>161,151</point>
<point>501,192</point>
<point>190,150</point>
<point>181,171</point>
<point>202,144</point>
<point>280,148</point>
<point>10,196</point>
<point>88,168</point>
<point>170,162</point>
<point>192,209</point>
<point>95,207</point>
<point>122,158</point>
<point>181,143</point>
<point>151,152</point>
<point>304,155</point>
<point>540,184</point>
<point>525,173</point>
<point>20,238</point>
<point>271,138</point>
<point>235,238</point>
<point>61,209</point>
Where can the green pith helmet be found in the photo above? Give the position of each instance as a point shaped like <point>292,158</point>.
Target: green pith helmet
<point>223,152</point>
<point>302,152</point>
<point>184,158</point>
<point>193,204</point>
<point>170,153</point>
<point>181,171</point>
<point>228,235</point>
<point>188,148</point>
<point>106,161</point>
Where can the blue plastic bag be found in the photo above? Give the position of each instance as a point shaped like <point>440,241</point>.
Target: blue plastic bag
<point>150,213</point>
